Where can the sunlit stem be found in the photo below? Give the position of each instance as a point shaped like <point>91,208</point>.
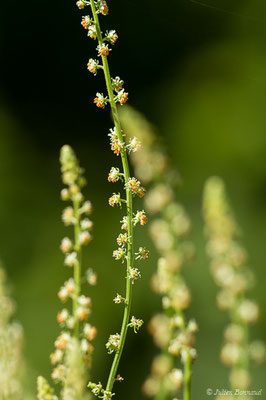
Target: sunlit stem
<point>127,307</point>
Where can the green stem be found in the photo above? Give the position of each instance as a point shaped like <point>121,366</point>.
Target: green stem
<point>187,378</point>
<point>162,393</point>
<point>124,328</point>
<point>243,363</point>
<point>77,268</point>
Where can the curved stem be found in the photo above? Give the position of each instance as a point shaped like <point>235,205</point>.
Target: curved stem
<point>124,328</point>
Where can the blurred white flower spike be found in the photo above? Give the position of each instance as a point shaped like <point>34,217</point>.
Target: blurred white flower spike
<point>233,277</point>
<point>71,358</point>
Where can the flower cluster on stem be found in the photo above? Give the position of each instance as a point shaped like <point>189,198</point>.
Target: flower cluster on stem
<point>116,94</point>
<point>233,277</point>
<point>12,368</point>
<point>172,333</point>
<point>73,348</point>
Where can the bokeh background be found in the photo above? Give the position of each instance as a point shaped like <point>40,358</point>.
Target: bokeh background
<point>197,71</point>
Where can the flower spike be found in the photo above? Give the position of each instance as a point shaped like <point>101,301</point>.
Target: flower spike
<point>117,94</point>
<point>73,349</point>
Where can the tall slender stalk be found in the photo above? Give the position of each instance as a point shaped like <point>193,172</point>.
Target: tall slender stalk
<point>132,186</point>
<point>73,349</point>
<point>233,276</point>
<point>126,172</point>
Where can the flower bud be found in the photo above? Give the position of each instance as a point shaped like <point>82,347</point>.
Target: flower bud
<point>122,97</point>
<point>119,254</point>
<point>117,84</point>
<point>192,326</point>
<point>161,365</point>
<point>93,66</point>
<point>62,341</point>
<point>63,294</point>
<point>118,299</point>
<point>230,354</point>
<point>135,323</point>
<point>56,357</point>
<point>112,36</point>
<point>90,331</point>
<point>134,274</point>
<point>141,218</point>
<point>84,237</point>
<point>86,208</point>
<point>86,224</point>
<point>113,343</point>
<point>70,286</point>
<point>115,200</point>
<point>84,301</point>
<point>114,175</point>
<point>91,277</point>
<point>59,373</point>
<point>86,21</point>
<point>71,259</point>
<point>103,50</point>
<point>122,239</point>
<point>66,245</point>
<point>257,351</point>
<point>234,333</point>
<point>92,33</point>
<point>103,8</point>
<point>240,378</point>
<point>82,313</point>
<point>80,4</point>
<point>176,377</point>
<point>133,145</point>
<point>68,216</point>
<point>100,100</point>
<point>65,195</point>
<point>142,254</point>
<point>62,316</point>
<point>248,311</point>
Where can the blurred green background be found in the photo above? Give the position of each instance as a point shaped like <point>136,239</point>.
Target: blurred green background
<point>197,70</point>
